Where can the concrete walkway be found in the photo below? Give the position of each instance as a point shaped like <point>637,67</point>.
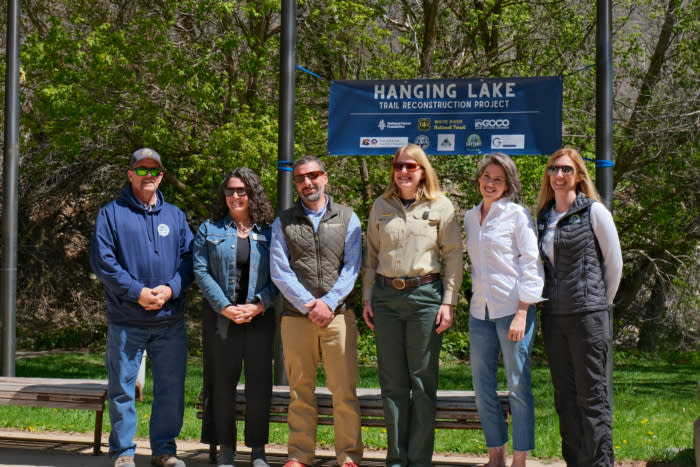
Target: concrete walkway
<point>50,449</point>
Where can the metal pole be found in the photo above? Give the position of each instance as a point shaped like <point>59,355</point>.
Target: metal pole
<point>288,59</point>
<point>604,131</point>
<point>604,102</point>
<point>10,192</point>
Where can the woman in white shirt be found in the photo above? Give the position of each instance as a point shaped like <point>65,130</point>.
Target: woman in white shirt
<point>583,265</point>
<point>507,278</point>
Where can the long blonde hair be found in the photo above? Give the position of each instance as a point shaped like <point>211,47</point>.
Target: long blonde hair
<point>585,185</point>
<point>429,187</point>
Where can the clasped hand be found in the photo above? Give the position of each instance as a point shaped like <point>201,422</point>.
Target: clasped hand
<point>241,314</point>
<point>319,312</point>
<point>155,299</point>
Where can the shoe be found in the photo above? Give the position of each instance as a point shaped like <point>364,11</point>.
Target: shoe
<point>167,460</point>
<point>138,392</point>
<point>124,461</point>
<point>260,462</point>
<point>226,465</point>
<point>294,463</point>
<point>350,464</point>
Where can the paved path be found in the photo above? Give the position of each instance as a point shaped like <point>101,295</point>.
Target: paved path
<point>50,449</point>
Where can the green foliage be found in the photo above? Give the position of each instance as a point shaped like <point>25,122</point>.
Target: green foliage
<point>455,344</point>
<point>367,349</point>
<point>67,338</point>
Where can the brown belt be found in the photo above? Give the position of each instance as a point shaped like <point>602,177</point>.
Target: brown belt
<point>410,282</point>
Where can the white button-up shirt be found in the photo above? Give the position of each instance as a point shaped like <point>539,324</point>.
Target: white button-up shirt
<point>505,261</point>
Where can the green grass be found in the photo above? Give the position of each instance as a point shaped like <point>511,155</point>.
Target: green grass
<point>655,401</point>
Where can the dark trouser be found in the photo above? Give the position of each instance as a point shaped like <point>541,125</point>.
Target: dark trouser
<point>408,357</point>
<point>248,346</point>
<point>577,348</point>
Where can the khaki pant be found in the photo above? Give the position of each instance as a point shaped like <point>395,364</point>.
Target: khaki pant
<point>304,343</point>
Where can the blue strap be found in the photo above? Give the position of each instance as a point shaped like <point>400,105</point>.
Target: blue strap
<point>285,165</point>
<point>580,69</point>
<point>601,162</point>
<point>311,73</point>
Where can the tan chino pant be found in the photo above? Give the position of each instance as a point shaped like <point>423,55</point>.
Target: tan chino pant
<point>305,344</point>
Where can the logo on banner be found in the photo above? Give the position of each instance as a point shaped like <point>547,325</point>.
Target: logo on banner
<point>382,125</point>
<point>383,142</point>
<point>473,141</point>
<point>424,124</point>
<point>491,124</point>
<point>446,142</point>
<point>507,141</point>
<point>423,141</point>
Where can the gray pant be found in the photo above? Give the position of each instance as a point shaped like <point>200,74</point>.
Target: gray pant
<point>408,357</point>
<point>577,349</point>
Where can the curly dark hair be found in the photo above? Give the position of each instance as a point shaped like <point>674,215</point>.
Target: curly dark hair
<point>261,211</point>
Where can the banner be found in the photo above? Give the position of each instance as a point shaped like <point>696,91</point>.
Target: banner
<point>447,116</point>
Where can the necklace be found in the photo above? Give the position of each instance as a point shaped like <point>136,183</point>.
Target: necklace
<point>244,227</point>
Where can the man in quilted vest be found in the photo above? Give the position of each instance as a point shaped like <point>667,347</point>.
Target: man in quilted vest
<point>314,261</point>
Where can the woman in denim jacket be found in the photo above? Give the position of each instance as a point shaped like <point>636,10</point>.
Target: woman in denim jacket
<point>231,266</point>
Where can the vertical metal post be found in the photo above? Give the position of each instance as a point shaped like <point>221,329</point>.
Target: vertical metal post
<point>604,130</point>
<point>288,59</point>
<point>604,102</point>
<point>8,278</point>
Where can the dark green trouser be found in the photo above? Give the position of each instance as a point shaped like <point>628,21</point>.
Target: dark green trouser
<point>408,357</point>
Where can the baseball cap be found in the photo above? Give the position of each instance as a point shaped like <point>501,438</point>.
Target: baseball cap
<point>145,153</point>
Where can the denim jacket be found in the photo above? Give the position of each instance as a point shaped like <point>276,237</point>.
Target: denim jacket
<point>215,263</point>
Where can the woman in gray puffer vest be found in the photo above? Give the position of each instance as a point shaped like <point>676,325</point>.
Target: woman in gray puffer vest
<point>583,265</point>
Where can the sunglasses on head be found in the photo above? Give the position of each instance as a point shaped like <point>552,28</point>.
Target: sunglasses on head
<point>143,171</point>
<point>239,190</point>
<point>299,178</point>
<point>409,166</point>
<point>567,170</point>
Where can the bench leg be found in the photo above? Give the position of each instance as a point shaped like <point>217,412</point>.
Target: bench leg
<point>97,447</point>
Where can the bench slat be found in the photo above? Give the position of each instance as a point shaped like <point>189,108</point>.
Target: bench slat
<point>454,409</point>
<point>58,393</point>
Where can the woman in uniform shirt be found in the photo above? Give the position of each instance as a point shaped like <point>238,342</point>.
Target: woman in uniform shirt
<point>411,280</point>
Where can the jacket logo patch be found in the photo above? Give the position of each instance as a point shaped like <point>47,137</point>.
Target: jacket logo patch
<point>163,230</point>
<point>575,219</point>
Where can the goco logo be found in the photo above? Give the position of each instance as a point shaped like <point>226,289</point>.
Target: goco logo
<point>491,124</point>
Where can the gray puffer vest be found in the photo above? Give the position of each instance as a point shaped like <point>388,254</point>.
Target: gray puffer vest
<point>574,283</point>
<point>316,257</point>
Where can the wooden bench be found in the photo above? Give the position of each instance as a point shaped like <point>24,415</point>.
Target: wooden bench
<point>85,394</point>
<point>455,409</point>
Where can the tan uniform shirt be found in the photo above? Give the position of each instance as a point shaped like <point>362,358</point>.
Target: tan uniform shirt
<point>417,241</point>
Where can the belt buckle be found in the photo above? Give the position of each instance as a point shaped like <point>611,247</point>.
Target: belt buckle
<point>398,283</point>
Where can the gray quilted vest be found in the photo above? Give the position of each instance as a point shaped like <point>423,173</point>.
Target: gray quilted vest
<point>574,282</point>
<point>316,257</point>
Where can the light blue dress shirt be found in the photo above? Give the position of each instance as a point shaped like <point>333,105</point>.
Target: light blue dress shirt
<point>286,280</point>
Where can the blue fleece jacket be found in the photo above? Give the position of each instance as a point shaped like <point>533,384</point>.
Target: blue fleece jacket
<point>134,247</point>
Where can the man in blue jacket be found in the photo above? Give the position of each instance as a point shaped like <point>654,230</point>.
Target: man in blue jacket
<point>142,253</point>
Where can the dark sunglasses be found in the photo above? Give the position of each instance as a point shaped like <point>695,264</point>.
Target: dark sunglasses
<point>143,171</point>
<point>567,170</point>
<point>312,176</point>
<point>409,166</point>
<point>239,190</point>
